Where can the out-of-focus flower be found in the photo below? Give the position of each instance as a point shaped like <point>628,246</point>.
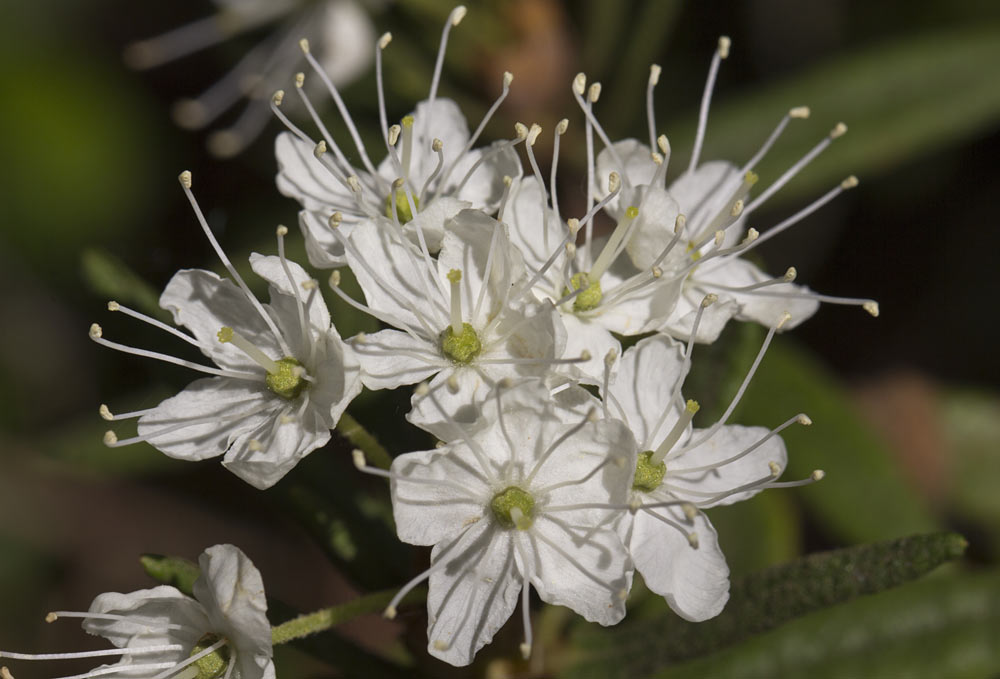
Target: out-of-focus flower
<point>340,30</point>
<point>160,632</point>
<point>511,504</point>
<point>431,170</point>
<point>283,379</point>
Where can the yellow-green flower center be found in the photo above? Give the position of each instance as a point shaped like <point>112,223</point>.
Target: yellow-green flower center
<point>289,380</point>
<point>212,665</point>
<point>513,508</point>
<point>648,476</point>
<point>463,347</point>
<point>591,296</point>
<point>403,211</point>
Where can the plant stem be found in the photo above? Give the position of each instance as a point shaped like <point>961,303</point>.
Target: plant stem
<point>352,430</point>
<point>325,618</point>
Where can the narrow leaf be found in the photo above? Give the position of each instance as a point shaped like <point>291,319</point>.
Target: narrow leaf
<point>108,276</point>
<point>761,602</point>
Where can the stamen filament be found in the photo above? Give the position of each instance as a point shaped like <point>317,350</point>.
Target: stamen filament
<point>454,19</point>
<point>228,335</point>
<point>618,237</point>
<point>455,278</point>
<point>721,52</point>
<point>115,306</point>
<point>675,433</point>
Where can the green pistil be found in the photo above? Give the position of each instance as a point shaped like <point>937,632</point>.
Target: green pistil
<point>214,664</point>
<point>403,211</point>
<point>506,500</point>
<point>463,347</point>
<point>590,298</point>
<point>289,381</point>
<point>648,476</point>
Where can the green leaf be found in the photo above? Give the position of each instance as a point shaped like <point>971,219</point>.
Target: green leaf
<point>900,100</point>
<point>943,627</point>
<point>108,276</point>
<point>761,602</point>
<point>863,497</point>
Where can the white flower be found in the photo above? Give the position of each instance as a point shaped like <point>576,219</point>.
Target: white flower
<point>461,317</point>
<point>429,174</point>
<point>340,28</point>
<point>160,632</point>
<point>596,293</point>
<point>512,505</point>
<point>695,229</point>
<point>681,471</point>
<point>284,376</point>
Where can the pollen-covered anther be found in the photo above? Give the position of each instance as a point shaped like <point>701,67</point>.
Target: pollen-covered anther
<point>562,126</point>
<point>679,224</point>
<point>422,389</point>
<point>690,511</point>
<point>752,235</point>
<point>319,149</point>
<point>300,80</point>
<point>849,183</point>
<point>452,383</point>
<point>611,356</point>
<point>106,413</point>
<point>614,182</point>
<point>871,307</point>
<point>110,438</point>
<point>384,41</point>
<point>800,112</point>
<point>654,74</point>
<point>508,78</point>
<point>838,130</point>
<point>656,271</point>
<point>533,133</point>
<point>304,45</point>
<point>594,93</point>
<point>737,208</point>
<point>573,224</point>
<point>790,274</point>
<point>185,179</point>
<point>281,231</point>
<point>437,145</point>
<point>5,673</point>
<point>785,317</point>
<point>95,331</point>
<point>525,649</point>
<point>113,306</point>
<point>278,97</point>
<point>693,540</point>
<point>580,83</point>
<point>775,468</point>
<point>521,130</point>
<point>335,219</point>
<point>51,617</point>
<point>817,475</point>
<point>394,131</point>
<point>804,419</point>
<point>724,44</point>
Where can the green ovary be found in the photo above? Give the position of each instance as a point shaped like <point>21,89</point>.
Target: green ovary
<point>506,500</point>
<point>214,664</point>
<point>290,379</point>
<point>463,347</point>
<point>648,476</point>
<point>403,211</point>
<point>590,298</point>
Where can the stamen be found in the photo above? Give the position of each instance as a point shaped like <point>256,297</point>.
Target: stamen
<point>654,78</point>
<point>186,183</point>
<point>618,238</point>
<point>561,128</point>
<point>706,99</point>
<point>675,434</point>
<point>728,215</point>
<point>115,306</point>
<point>845,185</point>
<point>525,647</point>
<point>281,232</point>
<point>228,335</point>
<point>437,146</point>
<point>454,19</point>
<point>455,278</point>
<point>136,650</point>
<point>407,145</point>
<point>800,419</point>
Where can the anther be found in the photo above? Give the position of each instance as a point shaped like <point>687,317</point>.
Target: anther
<point>690,511</point>
<point>5,673</point>
<point>801,112</point>
<point>533,133</point>
<point>354,183</point>
<point>281,231</point>
<point>300,80</point>
<point>422,389</point>
<point>335,219</point>
<point>679,224</point>
<point>654,74</point>
<point>389,613</point>
<point>95,331</point>
<point>664,145</point>
<point>585,355</point>
<point>594,93</point>
<point>562,126</point>
<point>508,78</point>
<point>334,280</point>
<point>437,145</point>
<point>614,182</point>
<point>775,468</point>
<point>752,235</point>
<point>580,83</point>
<point>458,14</point>
<point>394,131</point>
<point>319,149</point>
<point>185,179</point>
<point>804,419</point>
<point>573,224</point>
<point>255,446</point>
<point>790,274</point>
<point>113,306</point>
<point>817,475</point>
<point>708,300</point>
<point>871,307</point>
<point>610,357</point>
<point>838,130</point>
<point>693,540</point>
<point>720,237</point>
<point>520,130</point>
<point>785,317</point>
<point>724,44</point>
<point>110,438</point>
<point>737,208</point>
<point>358,456</point>
<point>525,650</point>
<point>384,41</point>
<point>106,412</point>
<point>304,45</point>
<point>278,97</point>
<point>849,183</point>
<point>51,617</point>
<point>657,272</point>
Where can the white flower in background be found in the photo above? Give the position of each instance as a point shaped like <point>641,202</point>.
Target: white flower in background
<point>340,30</point>
<point>430,171</point>
<point>596,295</point>
<point>284,376</point>
<point>157,633</point>
<point>513,505</point>
<point>695,229</point>
<point>682,470</point>
<point>461,317</point>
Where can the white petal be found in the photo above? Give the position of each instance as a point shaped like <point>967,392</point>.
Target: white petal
<point>758,305</point>
<point>457,393</point>
<point>304,178</point>
<point>431,221</point>
<point>484,187</point>
<point>270,269</point>
<point>263,456</point>
<point>534,228</point>
<point>471,597</point>
<point>713,319</point>
<point>204,303</point>
<point>232,591</point>
<point>221,406</point>
<point>727,442</point>
<point>390,358</point>
<point>584,333</point>
<point>147,613</point>
<point>654,227</point>
<point>427,513</point>
<point>324,249</point>
<point>694,580</point>
<point>703,194</point>
<point>395,278</point>
<point>638,171</point>
<point>633,311</point>
<point>347,39</point>
<point>337,376</point>
<point>647,375</point>
<point>592,576</point>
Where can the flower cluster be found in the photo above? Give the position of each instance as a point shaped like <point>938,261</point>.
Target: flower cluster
<point>565,463</point>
